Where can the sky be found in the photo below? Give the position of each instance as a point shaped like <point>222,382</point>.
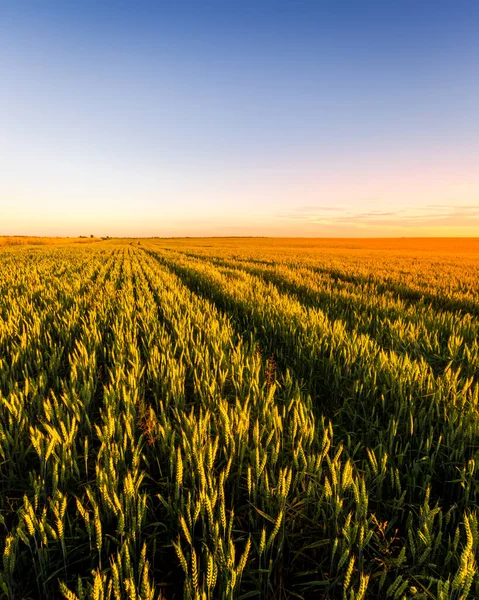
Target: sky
<point>331,118</point>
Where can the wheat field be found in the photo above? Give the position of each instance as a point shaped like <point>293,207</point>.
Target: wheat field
<point>239,418</point>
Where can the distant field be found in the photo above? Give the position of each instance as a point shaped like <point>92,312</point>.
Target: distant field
<point>239,418</point>
<point>23,240</point>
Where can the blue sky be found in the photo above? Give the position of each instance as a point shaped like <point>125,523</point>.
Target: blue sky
<point>219,118</point>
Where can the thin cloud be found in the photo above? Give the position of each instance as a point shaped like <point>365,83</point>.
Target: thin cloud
<point>433,214</point>
<point>454,206</point>
<point>318,208</point>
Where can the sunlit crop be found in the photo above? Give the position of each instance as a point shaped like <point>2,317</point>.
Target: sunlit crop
<point>239,419</point>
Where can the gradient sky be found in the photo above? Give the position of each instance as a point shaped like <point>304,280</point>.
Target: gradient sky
<point>339,118</point>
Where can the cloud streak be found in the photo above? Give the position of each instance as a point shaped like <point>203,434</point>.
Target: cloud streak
<point>432,215</point>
